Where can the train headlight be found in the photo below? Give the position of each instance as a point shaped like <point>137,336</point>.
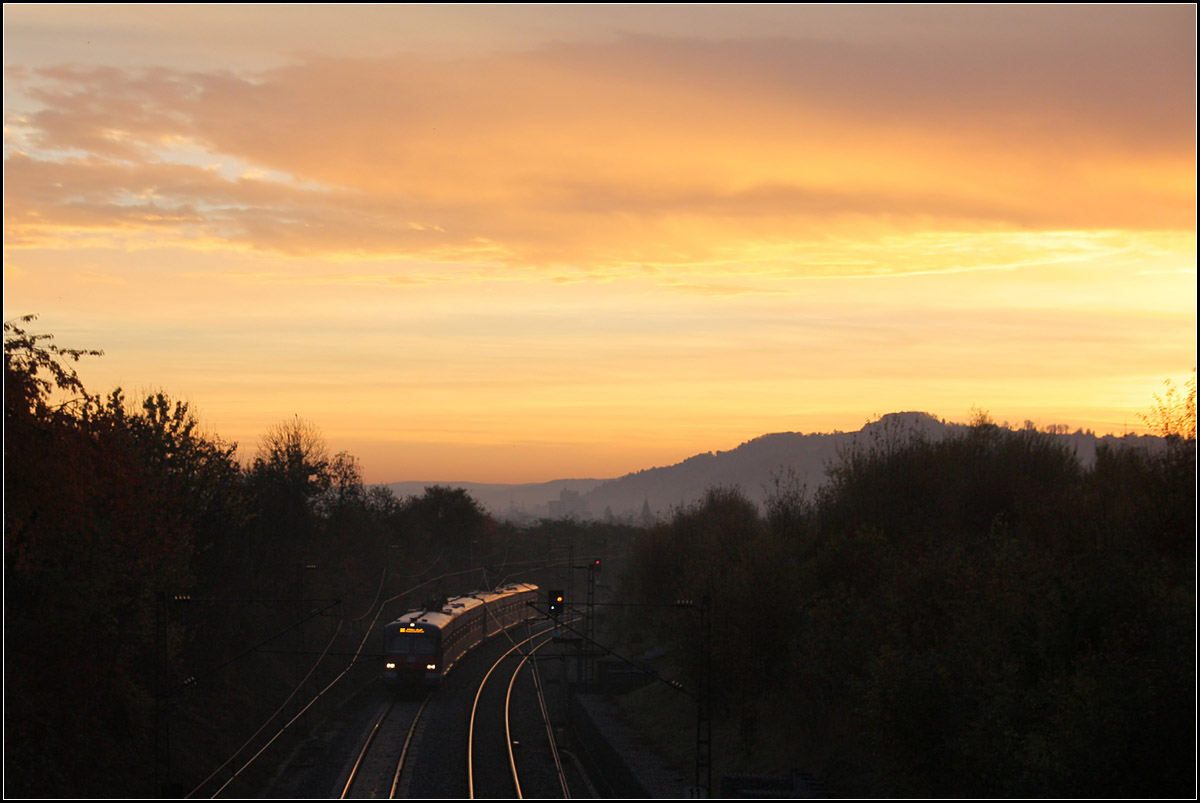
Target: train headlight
<point>390,665</point>
<point>431,667</point>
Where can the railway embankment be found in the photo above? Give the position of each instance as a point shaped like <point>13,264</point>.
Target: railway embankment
<point>618,761</point>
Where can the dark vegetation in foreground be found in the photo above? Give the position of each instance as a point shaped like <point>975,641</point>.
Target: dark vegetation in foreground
<point>139,555</point>
<point>976,616</point>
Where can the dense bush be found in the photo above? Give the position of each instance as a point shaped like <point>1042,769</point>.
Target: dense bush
<point>103,508</point>
<point>113,510</point>
<point>970,616</point>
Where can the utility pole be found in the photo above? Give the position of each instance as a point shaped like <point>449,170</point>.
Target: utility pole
<point>300,617</point>
<point>162,694</point>
<point>704,704</point>
<point>162,744</point>
<point>589,629</point>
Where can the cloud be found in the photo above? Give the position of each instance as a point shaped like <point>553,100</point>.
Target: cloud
<point>641,150</point>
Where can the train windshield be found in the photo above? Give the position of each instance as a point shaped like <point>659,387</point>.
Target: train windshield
<point>412,643</point>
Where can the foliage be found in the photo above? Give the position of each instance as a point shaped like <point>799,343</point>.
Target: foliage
<point>111,506</point>
<point>720,550</point>
<point>286,484</point>
<point>977,615</point>
<point>971,616</point>
<point>101,509</point>
<point>293,454</point>
<point>1174,413</point>
<point>35,370</point>
<point>447,523</point>
<point>197,473</point>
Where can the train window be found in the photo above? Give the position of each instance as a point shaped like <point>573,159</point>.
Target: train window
<point>409,644</point>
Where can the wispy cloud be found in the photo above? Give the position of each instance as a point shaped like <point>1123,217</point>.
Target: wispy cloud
<point>643,149</point>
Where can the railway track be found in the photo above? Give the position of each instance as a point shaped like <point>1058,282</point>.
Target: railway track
<point>490,718</point>
<point>376,771</point>
<point>496,741</point>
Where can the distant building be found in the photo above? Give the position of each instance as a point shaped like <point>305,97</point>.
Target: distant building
<point>570,505</point>
<point>648,518</point>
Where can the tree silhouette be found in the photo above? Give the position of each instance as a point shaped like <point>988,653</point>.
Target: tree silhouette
<point>35,369</point>
<point>448,521</point>
<point>293,454</point>
<point>101,505</point>
<point>1174,412</point>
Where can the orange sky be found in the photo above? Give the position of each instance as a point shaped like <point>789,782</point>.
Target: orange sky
<point>505,243</point>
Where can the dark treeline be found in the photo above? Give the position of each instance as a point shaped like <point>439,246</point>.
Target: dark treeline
<point>139,553</point>
<point>975,616</point>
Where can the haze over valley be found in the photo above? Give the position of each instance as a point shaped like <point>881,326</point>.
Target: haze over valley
<point>756,467</point>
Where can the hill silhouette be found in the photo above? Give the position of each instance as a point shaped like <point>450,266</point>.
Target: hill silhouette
<point>755,467</point>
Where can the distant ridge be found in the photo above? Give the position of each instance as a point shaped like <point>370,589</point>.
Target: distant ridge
<point>523,501</point>
<point>755,467</point>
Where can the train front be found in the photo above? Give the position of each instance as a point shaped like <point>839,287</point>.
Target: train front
<point>412,652</point>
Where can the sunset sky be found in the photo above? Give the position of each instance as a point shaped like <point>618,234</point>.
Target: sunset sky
<point>521,243</point>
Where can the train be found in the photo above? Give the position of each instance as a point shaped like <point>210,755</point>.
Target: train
<point>422,645</point>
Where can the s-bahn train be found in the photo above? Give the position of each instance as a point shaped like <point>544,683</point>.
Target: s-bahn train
<point>422,645</point>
